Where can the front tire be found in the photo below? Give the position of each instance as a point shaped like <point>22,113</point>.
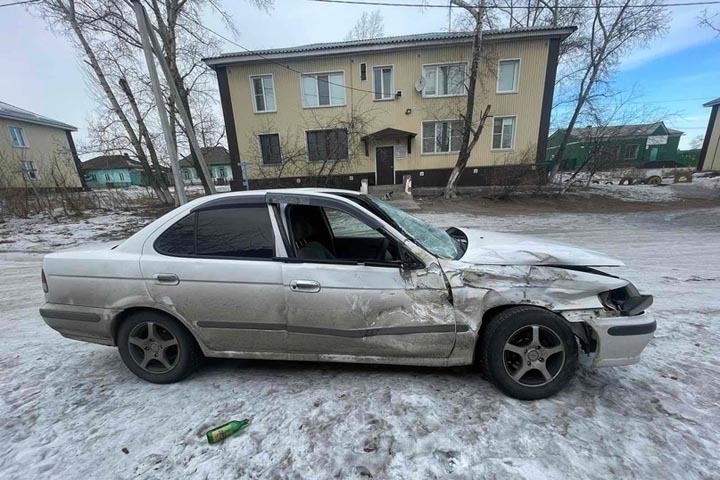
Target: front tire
<point>157,348</point>
<point>528,353</point>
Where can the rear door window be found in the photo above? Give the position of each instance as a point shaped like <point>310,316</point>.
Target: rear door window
<point>239,232</point>
<point>179,239</point>
<point>234,232</point>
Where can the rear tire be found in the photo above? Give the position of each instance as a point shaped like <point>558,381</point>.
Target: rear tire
<point>528,353</point>
<point>157,348</point>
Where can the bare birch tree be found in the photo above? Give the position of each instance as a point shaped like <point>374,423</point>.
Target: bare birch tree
<point>471,130</point>
<point>616,27</point>
<point>73,17</point>
<point>710,20</point>
<point>369,26</point>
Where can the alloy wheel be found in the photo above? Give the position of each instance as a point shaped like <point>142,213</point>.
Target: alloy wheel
<point>153,347</point>
<point>533,355</point>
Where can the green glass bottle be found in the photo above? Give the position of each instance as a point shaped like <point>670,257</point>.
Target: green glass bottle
<point>222,432</point>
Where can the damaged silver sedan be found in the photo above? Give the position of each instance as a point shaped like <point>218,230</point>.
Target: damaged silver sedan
<point>333,275</point>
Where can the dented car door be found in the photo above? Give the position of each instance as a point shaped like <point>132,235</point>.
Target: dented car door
<point>363,308</point>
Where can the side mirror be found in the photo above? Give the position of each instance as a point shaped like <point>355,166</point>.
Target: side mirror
<point>408,261</point>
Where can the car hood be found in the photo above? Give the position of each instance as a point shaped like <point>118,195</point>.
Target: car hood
<point>493,248</point>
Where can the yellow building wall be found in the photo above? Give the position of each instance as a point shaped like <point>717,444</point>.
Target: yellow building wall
<point>291,119</point>
<point>47,147</point>
<point>712,157</point>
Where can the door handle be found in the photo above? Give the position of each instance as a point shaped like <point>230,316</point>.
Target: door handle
<point>166,279</point>
<point>305,286</point>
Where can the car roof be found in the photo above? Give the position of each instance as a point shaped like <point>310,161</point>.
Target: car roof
<point>304,190</point>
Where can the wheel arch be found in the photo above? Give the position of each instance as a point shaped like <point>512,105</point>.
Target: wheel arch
<point>493,312</point>
<point>130,311</point>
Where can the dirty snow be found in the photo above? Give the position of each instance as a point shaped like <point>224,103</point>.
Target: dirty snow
<point>39,233</point>
<point>607,184</point>
<point>67,409</point>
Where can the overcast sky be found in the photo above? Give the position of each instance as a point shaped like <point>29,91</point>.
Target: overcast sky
<point>42,73</point>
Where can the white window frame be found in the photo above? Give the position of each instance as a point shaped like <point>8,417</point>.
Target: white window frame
<point>637,151</point>
<point>23,138</point>
<point>252,92</point>
<point>422,136</point>
<point>465,79</point>
<point>259,144</point>
<point>29,168</point>
<point>514,134</point>
<point>516,80</point>
<point>392,83</point>
<point>317,89</point>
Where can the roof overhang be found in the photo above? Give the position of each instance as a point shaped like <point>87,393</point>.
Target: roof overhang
<point>388,133</point>
<point>33,121</point>
<point>307,52</point>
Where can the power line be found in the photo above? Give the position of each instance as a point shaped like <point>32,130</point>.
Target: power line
<point>560,7</point>
<point>13,4</point>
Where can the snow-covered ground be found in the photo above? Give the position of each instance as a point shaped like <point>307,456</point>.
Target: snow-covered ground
<point>704,185</point>
<point>68,409</point>
<point>38,233</point>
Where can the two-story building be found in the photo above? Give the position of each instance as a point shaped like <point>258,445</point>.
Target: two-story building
<point>36,151</point>
<point>335,113</point>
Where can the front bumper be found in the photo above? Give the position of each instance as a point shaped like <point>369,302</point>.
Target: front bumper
<point>621,339</point>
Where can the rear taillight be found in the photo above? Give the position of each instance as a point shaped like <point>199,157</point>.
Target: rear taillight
<point>44,281</point>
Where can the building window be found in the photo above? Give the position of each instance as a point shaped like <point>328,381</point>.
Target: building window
<point>263,93</point>
<point>270,149</point>
<point>108,178</point>
<point>631,152</point>
<point>363,72</point>
<point>503,133</point>
<point>221,172</point>
<point>508,77</point>
<point>444,80</point>
<point>383,83</point>
<point>122,176</point>
<point>186,174</point>
<point>28,168</point>
<point>323,89</point>
<point>324,145</point>
<point>17,135</point>
<point>441,137</point>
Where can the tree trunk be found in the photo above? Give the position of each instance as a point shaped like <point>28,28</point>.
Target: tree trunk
<point>102,79</point>
<point>465,146</point>
<point>582,98</point>
<point>154,174</point>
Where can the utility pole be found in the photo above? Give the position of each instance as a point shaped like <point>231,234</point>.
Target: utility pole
<point>180,197</point>
<point>189,129</point>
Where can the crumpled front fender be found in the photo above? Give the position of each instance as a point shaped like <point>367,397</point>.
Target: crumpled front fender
<point>479,288</point>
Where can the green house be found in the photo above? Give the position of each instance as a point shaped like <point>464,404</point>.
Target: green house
<point>616,146</point>
<point>217,160</point>
<point>115,171</point>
